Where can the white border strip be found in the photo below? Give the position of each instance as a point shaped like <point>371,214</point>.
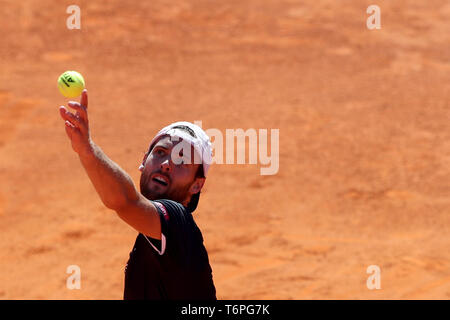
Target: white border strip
<point>163,244</point>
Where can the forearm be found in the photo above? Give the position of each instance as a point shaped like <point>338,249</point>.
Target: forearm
<point>112,183</point>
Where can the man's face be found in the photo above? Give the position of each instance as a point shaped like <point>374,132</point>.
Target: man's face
<point>163,178</point>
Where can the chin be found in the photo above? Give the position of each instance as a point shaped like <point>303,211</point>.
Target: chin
<point>167,194</point>
<point>150,195</point>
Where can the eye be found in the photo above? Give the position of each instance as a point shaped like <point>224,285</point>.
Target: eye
<point>159,152</point>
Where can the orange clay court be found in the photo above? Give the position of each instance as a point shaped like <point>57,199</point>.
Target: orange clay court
<point>364,158</point>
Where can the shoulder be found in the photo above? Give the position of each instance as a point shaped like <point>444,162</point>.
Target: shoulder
<point>170,205</point>
<point>174,213</point>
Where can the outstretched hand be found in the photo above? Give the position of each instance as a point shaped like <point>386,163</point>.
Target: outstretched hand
<point>77,125</point>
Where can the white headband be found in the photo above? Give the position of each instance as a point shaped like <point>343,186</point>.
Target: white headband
<point>200,140</point>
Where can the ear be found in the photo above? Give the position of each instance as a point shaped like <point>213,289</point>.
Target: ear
<point>197,185</point>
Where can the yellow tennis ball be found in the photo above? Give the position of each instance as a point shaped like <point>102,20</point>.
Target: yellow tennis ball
<point>70,84</point>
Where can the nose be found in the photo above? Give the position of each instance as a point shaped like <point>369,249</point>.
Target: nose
<point>165,166</point>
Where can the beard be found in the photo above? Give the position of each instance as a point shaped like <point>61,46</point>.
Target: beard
<point>175,193</point>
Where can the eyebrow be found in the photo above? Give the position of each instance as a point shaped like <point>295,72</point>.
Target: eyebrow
<point>161,146</point>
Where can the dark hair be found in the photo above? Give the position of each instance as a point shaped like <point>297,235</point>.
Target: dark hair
<point>187,129</point>
<point>192,205</point>
<point>200,173</point>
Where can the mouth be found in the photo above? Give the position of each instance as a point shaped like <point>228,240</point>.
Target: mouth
<point>161,179</point>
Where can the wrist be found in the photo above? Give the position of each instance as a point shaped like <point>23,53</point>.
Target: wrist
<point>88,151</point>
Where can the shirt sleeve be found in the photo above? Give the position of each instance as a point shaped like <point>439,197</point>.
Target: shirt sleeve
<point>176,227</point>
<point>172,215</point>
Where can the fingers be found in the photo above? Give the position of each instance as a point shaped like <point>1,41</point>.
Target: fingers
<point>84,98</point>
<point>81,110</point>
<point>80,119</point>
<point>73,120</point>
<point>69,129</point>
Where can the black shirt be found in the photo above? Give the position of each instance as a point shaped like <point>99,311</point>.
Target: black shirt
<point>181,272</point>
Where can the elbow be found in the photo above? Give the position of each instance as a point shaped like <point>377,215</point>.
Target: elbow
<point>114,204</point>
<point>118,203</point>
<point>122,196</point>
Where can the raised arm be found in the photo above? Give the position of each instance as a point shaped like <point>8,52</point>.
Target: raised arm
<point>114,186</point>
